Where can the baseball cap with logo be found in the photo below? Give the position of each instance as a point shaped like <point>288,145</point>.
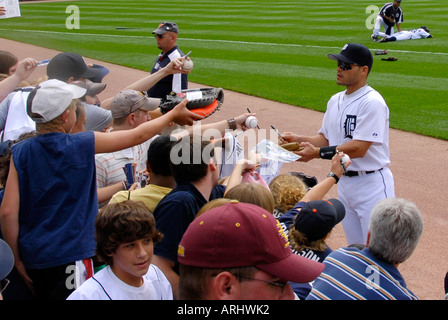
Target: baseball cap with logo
<point>66,64</point>
<point>51,98</point>
<point>242,235</point>
<point>317,218</point>
<point>166,27</point>
<point>354,53</point>
<point>128,101</point>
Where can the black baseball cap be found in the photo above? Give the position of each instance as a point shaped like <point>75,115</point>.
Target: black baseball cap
<point>164,27</point>
<point>354,53</point>
<point>66,64</point>
<point>317,218</point>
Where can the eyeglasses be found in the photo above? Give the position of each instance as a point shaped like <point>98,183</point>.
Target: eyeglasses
<point>160,36</point>
<point>345,66</point>
<point>3,284</point>
<point>281,284</point>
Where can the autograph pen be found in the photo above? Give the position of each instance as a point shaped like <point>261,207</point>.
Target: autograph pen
<point>43,63</point>
<point>278,132</point>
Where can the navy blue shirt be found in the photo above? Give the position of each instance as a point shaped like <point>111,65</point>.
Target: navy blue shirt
<point>171,82</point>
<point>388,10</point>
<point>175,212</point>
<point>58,198</point>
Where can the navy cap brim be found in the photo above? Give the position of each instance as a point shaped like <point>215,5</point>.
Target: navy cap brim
<point>340,209</point>
<point>340,57</point>
<point>90,73</point>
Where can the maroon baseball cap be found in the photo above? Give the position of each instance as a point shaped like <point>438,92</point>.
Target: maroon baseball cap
<point>241,235</point>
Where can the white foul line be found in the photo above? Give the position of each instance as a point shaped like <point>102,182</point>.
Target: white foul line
<point>213,40</point>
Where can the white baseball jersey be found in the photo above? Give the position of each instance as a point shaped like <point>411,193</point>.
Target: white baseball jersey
<point>362,115</point>
<point>412,34</point>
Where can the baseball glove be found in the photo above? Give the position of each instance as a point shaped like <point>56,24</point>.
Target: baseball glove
<point>390,59</point>
<point>292,146</point>
<point>380,52</point>
<point>202,101</point>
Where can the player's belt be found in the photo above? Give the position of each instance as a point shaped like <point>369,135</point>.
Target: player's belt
<point>359,173</point>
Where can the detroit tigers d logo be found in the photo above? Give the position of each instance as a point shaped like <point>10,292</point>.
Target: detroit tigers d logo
<point>349,126</point>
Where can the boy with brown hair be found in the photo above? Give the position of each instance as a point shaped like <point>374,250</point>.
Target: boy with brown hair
<point>125,235</point>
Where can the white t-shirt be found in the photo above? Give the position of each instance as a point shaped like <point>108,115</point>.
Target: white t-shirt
<point>105,285</point>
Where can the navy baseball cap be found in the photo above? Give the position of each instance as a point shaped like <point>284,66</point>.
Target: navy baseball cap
<point>165,27</point>
<point>354,53</point>
<point>317,218</point>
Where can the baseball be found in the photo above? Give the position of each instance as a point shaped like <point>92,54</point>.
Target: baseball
<point>346,159</point>
<point>251,122</point>
<point>188,65</point>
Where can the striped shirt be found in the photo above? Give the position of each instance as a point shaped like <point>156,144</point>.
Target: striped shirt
<point>109,166</point>
<point>352,274</point>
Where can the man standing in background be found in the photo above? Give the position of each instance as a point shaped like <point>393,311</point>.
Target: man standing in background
<point>166,37</point>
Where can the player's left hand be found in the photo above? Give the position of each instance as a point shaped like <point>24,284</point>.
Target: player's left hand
<point>308,152</point>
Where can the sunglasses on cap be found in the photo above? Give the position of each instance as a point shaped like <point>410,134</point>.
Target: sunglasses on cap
<point>345,66</point>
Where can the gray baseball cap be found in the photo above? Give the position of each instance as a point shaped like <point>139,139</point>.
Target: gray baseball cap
<point>128,101</point>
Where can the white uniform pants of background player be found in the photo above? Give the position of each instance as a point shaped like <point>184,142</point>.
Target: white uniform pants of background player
<point>388,30</point>
<point>359,195</point>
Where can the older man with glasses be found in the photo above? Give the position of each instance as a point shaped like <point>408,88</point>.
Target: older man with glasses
<point>356,122</point>
<point>166,37</point>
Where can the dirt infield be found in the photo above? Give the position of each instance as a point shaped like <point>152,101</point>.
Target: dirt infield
<point>419,166</point>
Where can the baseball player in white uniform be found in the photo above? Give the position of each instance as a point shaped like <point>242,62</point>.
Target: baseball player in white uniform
<point>356,122</point>
<point>420,33</point>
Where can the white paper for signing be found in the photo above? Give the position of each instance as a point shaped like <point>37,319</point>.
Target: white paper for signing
<point>12,8</point>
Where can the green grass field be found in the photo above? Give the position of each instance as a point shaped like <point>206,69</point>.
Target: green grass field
<point>272,49</point>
